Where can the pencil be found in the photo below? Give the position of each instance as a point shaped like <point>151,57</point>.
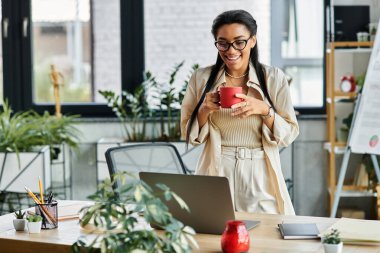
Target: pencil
<point>31,194</point>
<point>41,190</point>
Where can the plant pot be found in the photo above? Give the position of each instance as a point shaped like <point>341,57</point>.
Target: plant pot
<point>25,167</point>
<point>333,248</point>
<point>34,227</point>
<point>19,224</point>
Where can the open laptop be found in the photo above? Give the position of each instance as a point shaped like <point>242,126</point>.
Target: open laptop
<point>208,198</point>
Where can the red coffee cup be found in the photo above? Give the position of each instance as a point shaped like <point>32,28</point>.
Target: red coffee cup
<point>227,96</point>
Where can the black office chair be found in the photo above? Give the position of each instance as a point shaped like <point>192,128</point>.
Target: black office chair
<point>149,157</point>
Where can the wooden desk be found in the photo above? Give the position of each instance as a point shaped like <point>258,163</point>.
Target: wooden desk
<point>264,238</point>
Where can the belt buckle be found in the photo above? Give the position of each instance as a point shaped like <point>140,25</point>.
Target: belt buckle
<point>240,152</point>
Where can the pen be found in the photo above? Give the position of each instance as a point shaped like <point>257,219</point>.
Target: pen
<point>50,197</point>
<point>41,190</point>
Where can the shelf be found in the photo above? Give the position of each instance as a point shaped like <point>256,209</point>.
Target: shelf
<point>339,44</point>
<point>354,50</point>
<point>339,147</point>
<point>342,94</point>
<point>356,193</point>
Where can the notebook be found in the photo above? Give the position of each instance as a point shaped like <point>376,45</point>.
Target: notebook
<point>355,231</point>
<point>298,230</point>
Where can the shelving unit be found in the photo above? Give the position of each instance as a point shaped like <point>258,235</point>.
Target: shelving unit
<point>333,96</point>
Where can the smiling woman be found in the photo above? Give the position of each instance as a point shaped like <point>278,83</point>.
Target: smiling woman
<point>241,142</point>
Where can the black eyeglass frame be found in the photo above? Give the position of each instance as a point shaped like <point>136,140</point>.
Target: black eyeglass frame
<point>232,44</point>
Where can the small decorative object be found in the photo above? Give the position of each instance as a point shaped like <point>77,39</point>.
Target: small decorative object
<point>332,242</point>
<point>57,79</point>
<point>34,224</point>
<point>347,83</point>
<point>372,30</point>
<point>362,36</point>
<point>19,222</point>
<point>235,237</point>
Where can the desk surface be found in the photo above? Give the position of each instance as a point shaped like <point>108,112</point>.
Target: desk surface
<point>264,238</point>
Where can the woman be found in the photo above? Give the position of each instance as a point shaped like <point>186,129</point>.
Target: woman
<point>241,142</point>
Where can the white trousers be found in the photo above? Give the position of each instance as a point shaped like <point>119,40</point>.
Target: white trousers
<point>247,174</point>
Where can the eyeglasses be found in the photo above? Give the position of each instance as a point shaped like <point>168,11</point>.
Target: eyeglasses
<point>237,44</point>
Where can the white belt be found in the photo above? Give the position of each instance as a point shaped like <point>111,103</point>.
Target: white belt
<point>243,152</point>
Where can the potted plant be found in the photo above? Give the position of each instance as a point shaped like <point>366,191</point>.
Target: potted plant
<point>31,136</point>
<point>122,215</point>
<point>23,155</point>
<point>332,242</point>
<point>152,104</point>
<point>169,96</point>
<point>19,222</point>
<point>34,224</point>
<point>345,129</point>
<point>370,169</point>
<point>133,108</point>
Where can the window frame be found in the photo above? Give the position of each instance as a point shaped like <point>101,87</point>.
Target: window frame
<point>279,61</point>
<point>18,61</point>
<point>17,51</point>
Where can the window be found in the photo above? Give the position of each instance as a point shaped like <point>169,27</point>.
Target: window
<point>298,49</point>
<point>61,38</point>
<point>99,44</point>
<point>181,30</point>
<point>82,39</point>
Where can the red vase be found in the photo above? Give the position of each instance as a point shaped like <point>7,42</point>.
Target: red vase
<point>235,237</point>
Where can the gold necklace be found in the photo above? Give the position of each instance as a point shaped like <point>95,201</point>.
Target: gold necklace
<point>236,77</point>
<point>236,85</point>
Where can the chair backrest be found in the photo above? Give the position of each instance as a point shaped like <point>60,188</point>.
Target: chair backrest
<point>148,157</point>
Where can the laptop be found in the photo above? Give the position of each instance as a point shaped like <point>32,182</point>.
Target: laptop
<point>208,198</point>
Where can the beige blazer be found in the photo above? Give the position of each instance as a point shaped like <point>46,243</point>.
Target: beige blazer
<point>285,128</point>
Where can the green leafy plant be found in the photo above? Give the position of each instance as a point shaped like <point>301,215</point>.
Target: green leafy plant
<point>18,132</point>
<point>19,214</point>
<point>370,169</point>
<point>360,80</point>
<point>170,96</point>
<point>333,237</point>
<point>116,212</point>
<point>346,126</point>
<point>23,131</point>
<point>55,131</point>
<point>34,218</point>
<point>133,109</point>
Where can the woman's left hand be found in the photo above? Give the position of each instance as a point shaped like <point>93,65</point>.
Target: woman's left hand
<point>249,106</point>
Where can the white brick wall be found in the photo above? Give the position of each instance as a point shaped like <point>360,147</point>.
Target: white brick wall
<point>181,30</point>
<point>174,31</point>
<point>107,53</point>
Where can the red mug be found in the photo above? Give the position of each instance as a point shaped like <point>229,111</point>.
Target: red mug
<point>235,237</point>
<point>227,96</point>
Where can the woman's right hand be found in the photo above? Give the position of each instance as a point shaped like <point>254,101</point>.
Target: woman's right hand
<point>210,103</point>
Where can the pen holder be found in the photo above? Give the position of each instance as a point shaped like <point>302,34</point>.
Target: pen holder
<point>49,213</point>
